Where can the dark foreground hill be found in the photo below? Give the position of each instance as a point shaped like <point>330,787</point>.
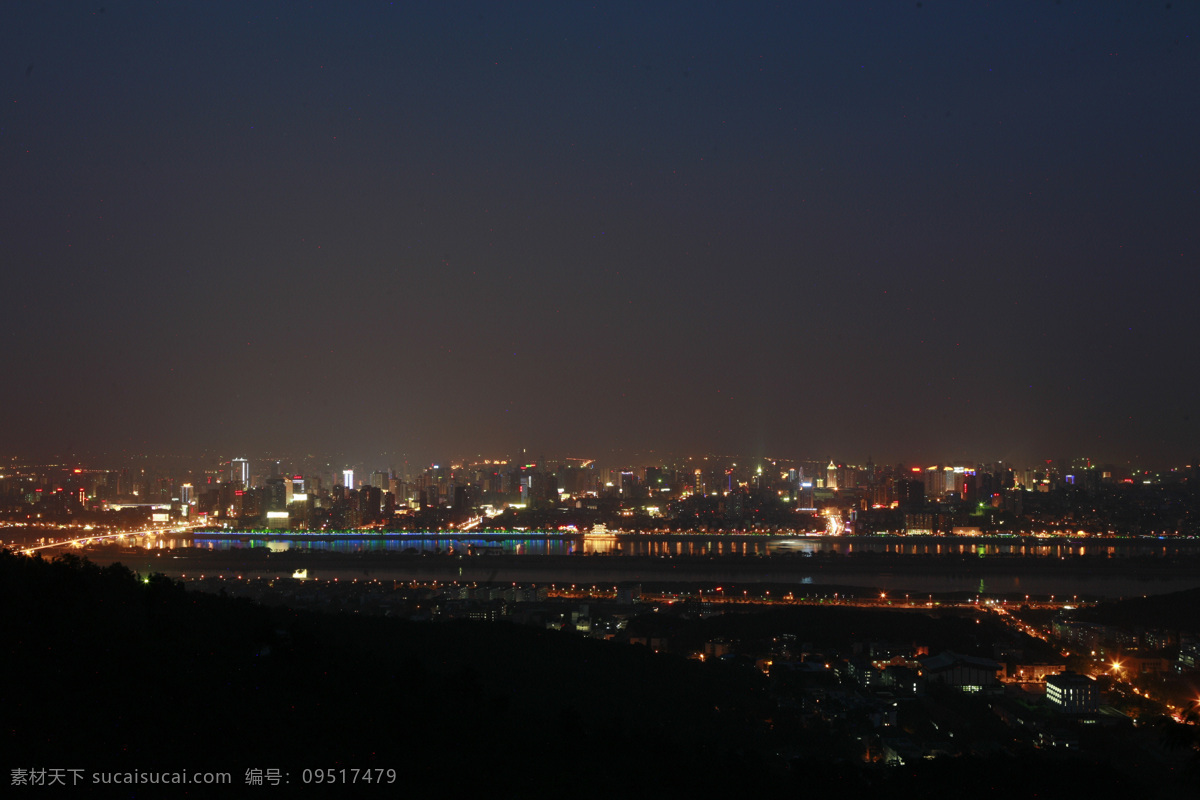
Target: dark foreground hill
<point>107,671</point>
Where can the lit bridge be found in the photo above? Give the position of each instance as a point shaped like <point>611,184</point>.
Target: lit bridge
<point>96,538</point>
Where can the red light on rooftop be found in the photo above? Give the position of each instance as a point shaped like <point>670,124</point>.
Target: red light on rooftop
<point>77,470</point>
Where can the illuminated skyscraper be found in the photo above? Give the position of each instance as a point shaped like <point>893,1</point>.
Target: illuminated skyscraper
<point>239,471</point>
<point>348,478</point>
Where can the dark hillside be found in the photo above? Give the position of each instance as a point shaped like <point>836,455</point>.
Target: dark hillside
<point>107,670</point>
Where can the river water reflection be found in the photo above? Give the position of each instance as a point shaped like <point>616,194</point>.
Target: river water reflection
<point>1088,568</point>
<point>698,545</point>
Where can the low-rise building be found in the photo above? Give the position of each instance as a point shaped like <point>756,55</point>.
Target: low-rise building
<point>968,673</point>
<point>1033,673</point>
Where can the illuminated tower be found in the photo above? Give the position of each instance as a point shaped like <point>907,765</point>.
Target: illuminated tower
<point>348,478</point>
<point>239,471</point>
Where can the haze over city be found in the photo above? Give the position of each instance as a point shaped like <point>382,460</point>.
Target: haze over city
<point>920,232</point>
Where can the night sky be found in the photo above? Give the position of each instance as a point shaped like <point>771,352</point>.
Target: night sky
<point>917,231</point>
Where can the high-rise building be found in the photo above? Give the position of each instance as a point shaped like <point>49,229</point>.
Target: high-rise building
<point>370,500</point>
<point>295,490</point>
<point>910,493</point>
<point>654,479</point>
<point>239,471</point>
<point>348,478</point>
<point>276,494</point>
<point>185,494</point>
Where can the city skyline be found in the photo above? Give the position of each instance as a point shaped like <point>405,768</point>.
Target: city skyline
<point>270,463</point>
<point>922,232</point>
<point>721,473</point>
